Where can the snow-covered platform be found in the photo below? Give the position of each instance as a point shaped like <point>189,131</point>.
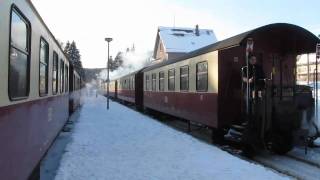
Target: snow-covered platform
<point>124,144</point>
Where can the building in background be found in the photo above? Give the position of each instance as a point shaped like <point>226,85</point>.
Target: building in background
<point>174,42</point>
<point>306,66</point>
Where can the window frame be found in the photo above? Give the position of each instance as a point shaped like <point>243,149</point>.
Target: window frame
<point>161,79</point>
<point>147,82</point>
<point>61,69</point>
<point>154,82</point>
<point>185,66</point>
<point>18,12</point>
<point>57,72</point>
<point>43,40</point>
<point>66,74</point>
<point>174,79</point>
<point>206,90</point>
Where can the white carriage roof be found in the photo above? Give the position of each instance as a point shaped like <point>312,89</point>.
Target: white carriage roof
<point>177,39</point>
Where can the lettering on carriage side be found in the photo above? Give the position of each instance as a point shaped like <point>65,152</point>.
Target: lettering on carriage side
<point>201,97</point>
<point>235,59</point>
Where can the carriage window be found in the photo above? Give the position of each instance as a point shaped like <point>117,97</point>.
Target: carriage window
<point>161,81</point>
<point>171,80</point>
<point>184,78</point>
<point>74,83</point>
<point>66,78</point>
<point>154,82</point>
<point>147,83</point>
<point>43,65</point>
<point>202,76</point>
<point>19,56</point>
<point>55,73</point>
<point>61,76</point>
<point>133,86</point>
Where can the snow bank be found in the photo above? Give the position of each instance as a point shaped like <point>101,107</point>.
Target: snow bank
<point>124,144</point>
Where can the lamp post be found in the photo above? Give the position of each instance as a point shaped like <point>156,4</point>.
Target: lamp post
<point>108,65</point>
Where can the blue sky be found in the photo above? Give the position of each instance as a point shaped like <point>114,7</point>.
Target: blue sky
<point>248,14</point>
<point>136,21</point>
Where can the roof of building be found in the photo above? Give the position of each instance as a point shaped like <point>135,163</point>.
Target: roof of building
<point>307,41</point>
<point>178,39</point>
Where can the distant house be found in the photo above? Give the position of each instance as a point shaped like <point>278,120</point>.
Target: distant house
<point>306,66</point>
<point>173,42</point>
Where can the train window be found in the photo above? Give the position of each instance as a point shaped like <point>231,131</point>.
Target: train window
<point>55,73</point>
<point>20,31</point>
<point>66,78</point>
<point>43,67</point>
<point>147,83</point>
<point>133,86</point>
<point>74,82</point>
<point>77,83</point>
<point>129,83</point>
<point>171,81</point>
<point>184,78</point>
<point>154,82</point>
<point>161,81</point>
<point>19,59</point>
<point>61,76</point>
<point>202,76</point>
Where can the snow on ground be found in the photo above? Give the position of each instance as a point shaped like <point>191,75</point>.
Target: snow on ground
<point>124,144</point>
<point>317,142</point>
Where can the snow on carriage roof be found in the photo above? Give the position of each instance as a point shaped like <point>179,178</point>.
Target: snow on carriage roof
<point>180,39</point>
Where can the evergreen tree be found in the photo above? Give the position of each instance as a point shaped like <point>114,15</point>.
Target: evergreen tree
<point>66,48</point>
<point>117,62</point>
<point>73,54</point>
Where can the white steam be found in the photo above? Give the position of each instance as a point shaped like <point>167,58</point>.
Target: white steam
<point>132,61</point>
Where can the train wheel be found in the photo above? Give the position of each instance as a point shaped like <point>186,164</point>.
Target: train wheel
<point>280,143</point>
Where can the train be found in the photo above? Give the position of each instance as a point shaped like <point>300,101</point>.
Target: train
<point>206,87</point>
<point>39,89</point>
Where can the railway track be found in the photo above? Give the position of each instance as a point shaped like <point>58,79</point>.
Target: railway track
<point>295,164</point>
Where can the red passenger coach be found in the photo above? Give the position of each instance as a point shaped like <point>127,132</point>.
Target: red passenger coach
<point>34,89</point>
<point>75,89</point>
<point>206,85</point>
<point>130,90</point>
<point>113,85</point>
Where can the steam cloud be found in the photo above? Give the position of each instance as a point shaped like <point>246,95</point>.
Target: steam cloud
<point>132,61</point>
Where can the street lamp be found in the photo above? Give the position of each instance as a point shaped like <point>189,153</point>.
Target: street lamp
<point>108,63</point>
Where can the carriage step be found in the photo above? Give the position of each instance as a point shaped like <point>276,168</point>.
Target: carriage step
<point>235,133</point>
<point>232,137</point>
<point>239,128</point>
